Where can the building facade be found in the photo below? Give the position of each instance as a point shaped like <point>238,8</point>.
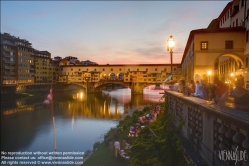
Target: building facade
<point>42,64</point>
<point>221,49</point>
<point>17,59</point>
<point>23,65</point>
<point>154,73</point>
<point>135,77</point>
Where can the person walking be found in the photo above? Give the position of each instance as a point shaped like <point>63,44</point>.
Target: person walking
<point>117,148</point>
<point>198,91</point>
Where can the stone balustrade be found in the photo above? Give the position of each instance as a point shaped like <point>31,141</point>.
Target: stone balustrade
<point>211,128</point>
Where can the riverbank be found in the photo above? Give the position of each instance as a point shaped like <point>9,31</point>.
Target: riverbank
<point>104,153</point>
<point>157,143</point>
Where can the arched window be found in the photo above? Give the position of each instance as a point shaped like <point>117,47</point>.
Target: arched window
<point>112,76</point>
<point>121,76</point>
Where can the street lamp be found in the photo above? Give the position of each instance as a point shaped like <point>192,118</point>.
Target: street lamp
<point>209,73</point>
<point>87,77</point>
<point>170,46</point>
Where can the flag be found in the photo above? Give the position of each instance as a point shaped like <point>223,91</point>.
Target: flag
<point>49,97</point>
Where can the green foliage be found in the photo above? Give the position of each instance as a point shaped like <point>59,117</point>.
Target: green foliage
<point>165,149</point>
<point>147,150</point>
<point>96,145</point>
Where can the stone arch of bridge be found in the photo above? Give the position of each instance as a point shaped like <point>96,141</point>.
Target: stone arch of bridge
<point>79,84</point>
<point>98,86</point>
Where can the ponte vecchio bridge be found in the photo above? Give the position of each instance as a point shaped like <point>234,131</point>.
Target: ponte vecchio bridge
<point>133,76</point>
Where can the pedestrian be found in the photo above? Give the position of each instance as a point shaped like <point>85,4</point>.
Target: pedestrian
<point>192,86</point>
<point>124,144</point>
<point>221,91</point>
<point>204,89</point>
<point>241,95</point>
<point>117,148</point>
<point>198,91</point>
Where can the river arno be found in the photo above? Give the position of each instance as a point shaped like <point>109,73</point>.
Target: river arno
<point>79,119</point>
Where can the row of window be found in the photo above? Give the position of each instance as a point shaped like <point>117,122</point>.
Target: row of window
<point>23,44</point>
<point>23,65</point>
<point>9,53</point>
<point>9,59</point>
<point>227,15</point>
<point>44,68</point>
<point>8,48</point>
<point>228,45</point>
<point>9,82</point>
<point>25,75</point>
<point>121,69</point>
<point>24,71</point>
<point>24,81</point>
<point>25,49</point>
<point>44,64</point>
<point>41,77</point>
<point>22,54</point>
<point>41,72</point>
<point>9,76</point>
<point>42,60</point>
<point>42,55</point>
<point>25,60</point>
<point>43,81</point>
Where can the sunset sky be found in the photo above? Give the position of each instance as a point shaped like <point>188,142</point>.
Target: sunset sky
<point>114,32</point>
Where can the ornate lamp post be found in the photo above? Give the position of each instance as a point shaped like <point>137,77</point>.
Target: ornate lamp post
<point>170,46</point>
<point>87,77</point>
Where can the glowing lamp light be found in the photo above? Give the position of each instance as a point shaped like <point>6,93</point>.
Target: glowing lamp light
<point>131,134</point>
<point>171,43</point>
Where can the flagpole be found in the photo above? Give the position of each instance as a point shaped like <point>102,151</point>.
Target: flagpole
<point>52,105</point>
<point>49,100</point>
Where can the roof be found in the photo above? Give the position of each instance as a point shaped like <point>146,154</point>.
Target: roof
<point>224,11</point>
<point>214,24</point>
<point>117,65</point>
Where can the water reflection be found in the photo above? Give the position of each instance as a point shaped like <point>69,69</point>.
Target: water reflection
<point>80,119</point>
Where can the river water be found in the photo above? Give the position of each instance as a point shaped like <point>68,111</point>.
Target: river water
<point>79,120</point>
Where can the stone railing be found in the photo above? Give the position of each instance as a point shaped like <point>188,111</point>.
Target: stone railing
<point>211,129</point>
